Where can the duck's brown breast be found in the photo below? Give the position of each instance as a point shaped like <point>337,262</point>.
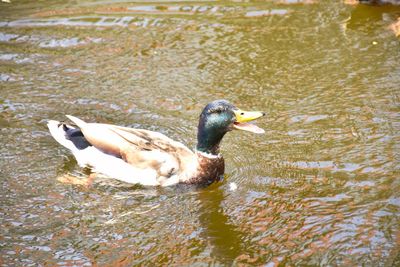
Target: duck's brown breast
<point>210,169</point>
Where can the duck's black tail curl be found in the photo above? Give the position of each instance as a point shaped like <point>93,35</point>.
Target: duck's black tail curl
<point>75,136</point>
<point>68,136</point>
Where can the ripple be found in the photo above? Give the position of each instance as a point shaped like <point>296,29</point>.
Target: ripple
<point>261,13</point>
<point>67,42</point>
<point>6,37</point>
<point>21,58</point>
<point>336,198</point>
<point>97,21</point>
<point>327,165</point>
<point>46,42</point>
<point>6,78</point>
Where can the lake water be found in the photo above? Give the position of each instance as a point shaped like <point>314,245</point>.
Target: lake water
<point>321,187</point>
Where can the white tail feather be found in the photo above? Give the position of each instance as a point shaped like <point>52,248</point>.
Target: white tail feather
<point>58,133</point>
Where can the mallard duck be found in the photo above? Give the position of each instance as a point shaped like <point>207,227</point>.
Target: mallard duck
<point>150,158</point>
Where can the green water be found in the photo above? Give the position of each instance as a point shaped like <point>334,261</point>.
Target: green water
<point>321,187</point>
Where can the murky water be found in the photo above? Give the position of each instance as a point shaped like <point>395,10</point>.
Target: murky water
<point>321,187</point>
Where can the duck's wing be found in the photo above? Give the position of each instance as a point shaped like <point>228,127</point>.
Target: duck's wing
<point>140,148</point>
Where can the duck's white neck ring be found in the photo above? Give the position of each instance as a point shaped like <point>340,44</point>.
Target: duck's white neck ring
<point>208,155</point>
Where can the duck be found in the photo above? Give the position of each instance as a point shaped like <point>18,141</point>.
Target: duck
<point>149,158</point>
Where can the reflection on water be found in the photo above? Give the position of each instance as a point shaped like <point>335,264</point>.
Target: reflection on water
<point>225,240</point>
<point>319,188</point>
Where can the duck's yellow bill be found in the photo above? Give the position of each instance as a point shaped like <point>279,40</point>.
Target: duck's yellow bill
<point>242,119</point>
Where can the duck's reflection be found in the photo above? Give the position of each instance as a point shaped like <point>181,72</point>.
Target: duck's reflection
<point>226,241</point>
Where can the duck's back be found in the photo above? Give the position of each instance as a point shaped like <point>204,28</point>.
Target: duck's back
<point>171,160</point>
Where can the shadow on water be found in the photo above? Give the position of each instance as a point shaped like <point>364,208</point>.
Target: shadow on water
<point>367,17</point>
<point>226,241</point>
<point>68,164</point>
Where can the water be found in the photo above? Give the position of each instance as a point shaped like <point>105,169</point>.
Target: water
<point>321,187</point>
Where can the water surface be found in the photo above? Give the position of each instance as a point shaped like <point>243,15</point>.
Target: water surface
<point>321,187</point>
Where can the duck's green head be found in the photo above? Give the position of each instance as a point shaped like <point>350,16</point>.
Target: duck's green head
<point>220,117</point>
